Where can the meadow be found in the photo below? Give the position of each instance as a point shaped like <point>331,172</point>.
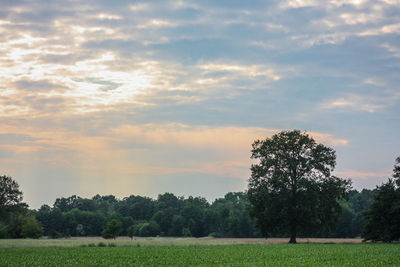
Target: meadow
<point>200,254</point>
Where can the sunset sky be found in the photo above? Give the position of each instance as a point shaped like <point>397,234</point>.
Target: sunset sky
<point>128,97</point>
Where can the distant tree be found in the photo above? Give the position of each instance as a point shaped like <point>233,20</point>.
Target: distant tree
<point>291,190</point>
<point>383,216</point>
<point>194,214</point>
<point>149,229</point>
<point>131,231</point>
<point>112,230</point>
<point>3,231</point>
<point>31,228</point>
<point>66,204</point>
<point>10,194</point>
<point>14,227</point>
<point>177,225</point>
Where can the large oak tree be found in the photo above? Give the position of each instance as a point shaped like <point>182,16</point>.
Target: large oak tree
<point>291,189</point>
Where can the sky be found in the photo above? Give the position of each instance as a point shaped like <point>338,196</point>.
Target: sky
<point>146,97</point>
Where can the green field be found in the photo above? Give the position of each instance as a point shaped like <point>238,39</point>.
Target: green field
<point>221,255</point>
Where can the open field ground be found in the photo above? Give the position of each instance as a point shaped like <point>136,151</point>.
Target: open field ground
<point>222,255</point>
<point>160,241</point>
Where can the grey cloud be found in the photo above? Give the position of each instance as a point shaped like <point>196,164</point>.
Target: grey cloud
<point>37,86</point>
<point>47,105</point>
<point>16,139</point>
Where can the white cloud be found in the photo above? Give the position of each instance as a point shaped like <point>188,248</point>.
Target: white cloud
<point>157,23</point>
<point>327,4</point>
<point>139,7</point>
<point>252,70</point>
<point>394,50</point>
<point>366,103</point>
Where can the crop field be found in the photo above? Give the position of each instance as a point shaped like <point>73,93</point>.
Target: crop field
<point>214,255</point>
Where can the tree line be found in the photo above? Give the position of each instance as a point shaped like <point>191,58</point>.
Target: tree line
<point>291,193</point>
<point>168,215</point>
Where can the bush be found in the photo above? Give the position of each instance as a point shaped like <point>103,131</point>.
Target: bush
<point>54,234</point>
<point>102,244</point>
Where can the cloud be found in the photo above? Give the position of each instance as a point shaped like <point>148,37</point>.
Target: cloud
<point>41,85</point>
<point>92,90</point>
<point>312,3</point>
<point>253,71</point>
<point>362,175</point>
<point>156,23</point>
<point>366,103</point>
<point>386,29</point>
<point>227,148</point>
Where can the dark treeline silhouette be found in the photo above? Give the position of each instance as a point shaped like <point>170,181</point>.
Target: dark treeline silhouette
<point>170,215</point>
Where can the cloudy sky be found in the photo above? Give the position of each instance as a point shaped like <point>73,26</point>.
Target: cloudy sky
<point>129,97</point>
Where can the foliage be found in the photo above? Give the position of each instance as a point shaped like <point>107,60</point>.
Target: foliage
<point>243,255</point>
<point>131,231</point>
<point>175,216</point>
<point>10,197</point>
<point>291,189</point>
<point>224,217</point>
<point>112,230</point>
<point>9,192</point>
<point>14,227</point>
<point>383,216</point>
<point>31,228</point>
<point>3,231</point>
<point>148,229</point>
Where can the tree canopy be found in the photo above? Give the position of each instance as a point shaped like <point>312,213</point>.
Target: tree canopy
<point>291,189</point>
<point>9,192</point>
<point>383,216</point>
<point>112,230</point>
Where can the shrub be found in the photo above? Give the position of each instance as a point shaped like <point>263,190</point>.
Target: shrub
<point>54,234</point>
<point>101,244</point>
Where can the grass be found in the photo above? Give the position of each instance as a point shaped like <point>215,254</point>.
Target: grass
<point>222,255</point>
<point>151,241</point>
<point>156,241</point>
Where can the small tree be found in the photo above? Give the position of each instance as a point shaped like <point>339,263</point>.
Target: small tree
<point>291,190</point>
<point>31,228</point>
<point>112,230</point>
<point>383,216</point>
<point>131,231</point>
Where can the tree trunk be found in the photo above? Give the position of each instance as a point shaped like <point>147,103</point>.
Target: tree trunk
<point>293,231</point>
<point>292,238</point>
